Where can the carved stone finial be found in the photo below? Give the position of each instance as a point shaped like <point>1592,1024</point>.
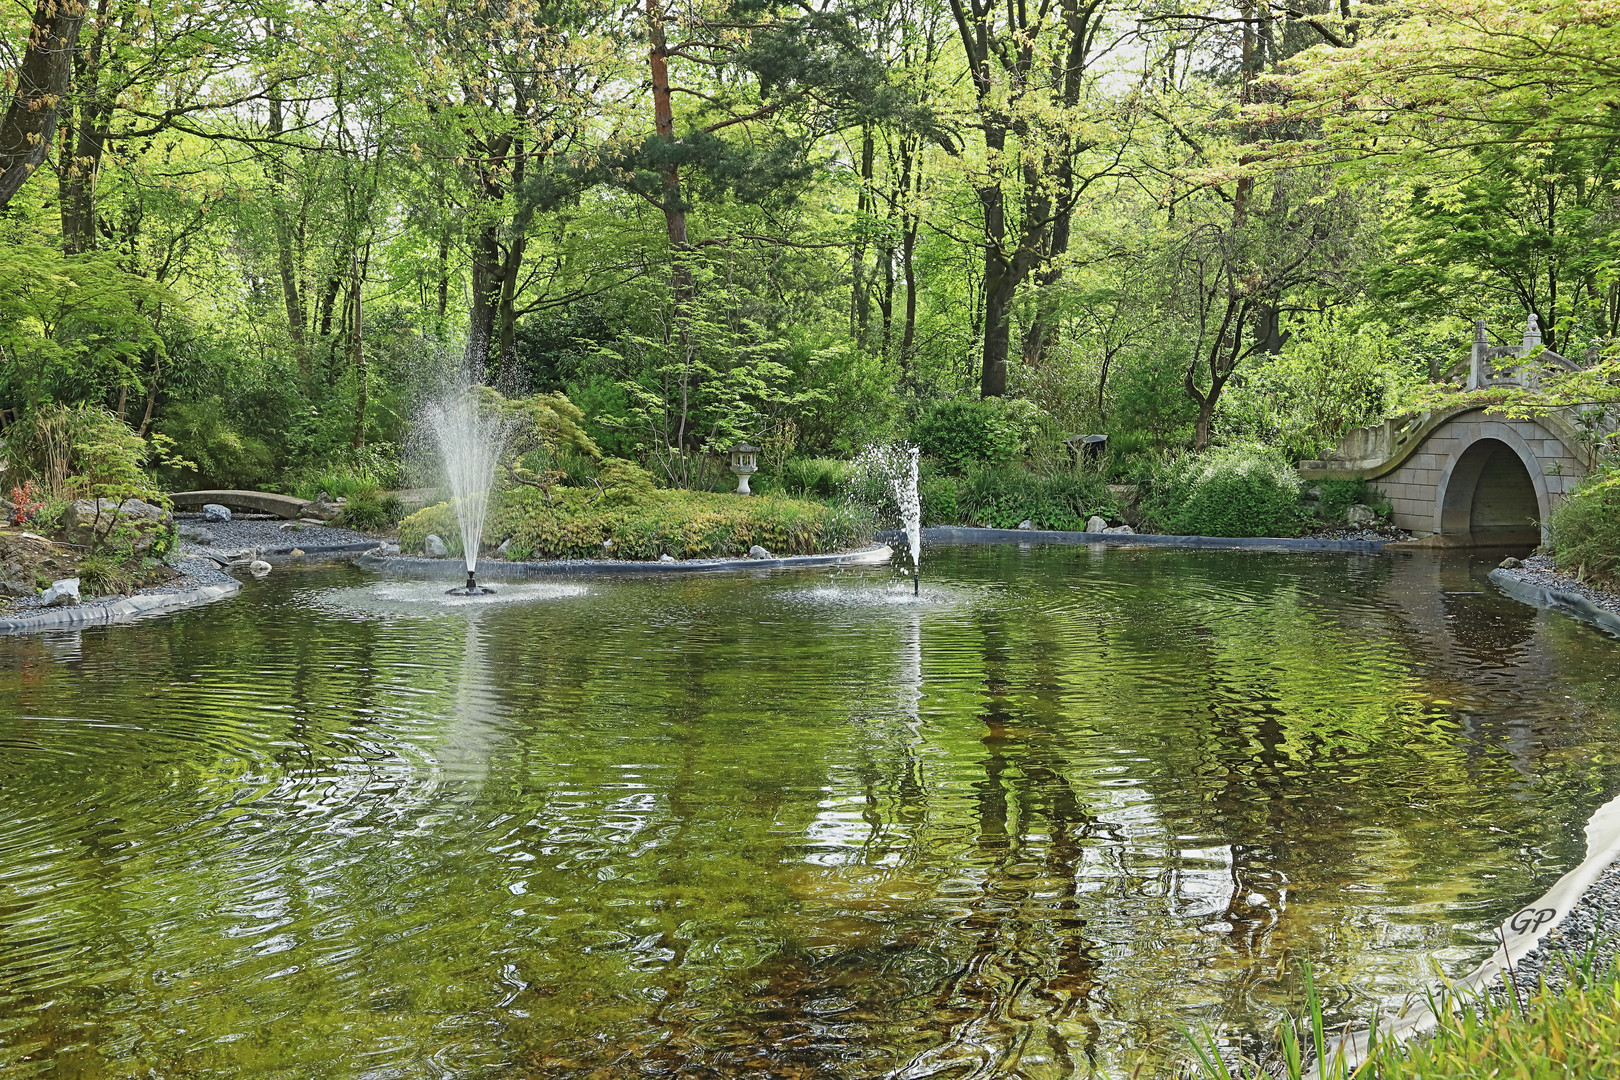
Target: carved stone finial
<point>1532,331</point>
<point>1479,331</point>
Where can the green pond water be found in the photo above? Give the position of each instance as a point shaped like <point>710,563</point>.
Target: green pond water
<point>788,825</point>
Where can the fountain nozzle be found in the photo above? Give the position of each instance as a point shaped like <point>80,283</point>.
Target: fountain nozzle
<point>472,588</point>
<point>916,584</point>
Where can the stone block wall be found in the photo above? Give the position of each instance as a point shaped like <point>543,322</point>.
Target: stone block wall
<point>1414,487</point>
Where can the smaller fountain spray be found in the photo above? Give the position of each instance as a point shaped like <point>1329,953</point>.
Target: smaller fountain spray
<point>470,438</point>
<point>905,494</point>
<point>898,466</point>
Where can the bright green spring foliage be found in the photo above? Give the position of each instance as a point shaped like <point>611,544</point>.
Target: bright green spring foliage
<point>643,522</point>
<point>1586,527</point>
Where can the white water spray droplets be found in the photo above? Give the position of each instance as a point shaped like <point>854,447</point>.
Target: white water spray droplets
<point>897,466</point>
<point>470,438</point>
<point>905,493</point>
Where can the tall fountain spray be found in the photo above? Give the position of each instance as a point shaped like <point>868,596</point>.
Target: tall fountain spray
<point>470,437</point>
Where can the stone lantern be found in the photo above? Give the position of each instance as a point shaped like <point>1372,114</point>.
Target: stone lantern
<point>745,463</point>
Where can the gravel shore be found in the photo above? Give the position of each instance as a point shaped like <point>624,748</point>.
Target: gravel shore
<point>1387,534</point>
<point>244,533</point>
<point>1540,570</point>
<point>194,574</point>
<point>1592,928</point>
<point>235,541</point>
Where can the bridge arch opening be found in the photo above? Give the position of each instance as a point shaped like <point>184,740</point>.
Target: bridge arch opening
<point>1491,498</point>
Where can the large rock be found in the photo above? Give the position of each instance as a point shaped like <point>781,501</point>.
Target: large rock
<point>1361,517</point>
<point>434,546</point>
<point>196,534</point>
<point>1122,530</point>
<point>89,521</point>
<point>1027,525</point>
<point>64,593</point>
<point>216,513</point>
<point>16,586</point>
<point>325,508</point>
<point>757,552</point>
<point>258,568</point>
<point>1095,524</point>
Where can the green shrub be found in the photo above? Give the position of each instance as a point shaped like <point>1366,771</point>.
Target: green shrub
<point>939,500</point>
<point>216,454</point>
<point>1150,402</point>
<point>963,431</point>
<point>572,523</point>
<point>370,509</point>
<point>1005,496</point>
<point>1226,492</point>
<point>1585,528</point>
<point>80,452</point>
<point>624,483</point>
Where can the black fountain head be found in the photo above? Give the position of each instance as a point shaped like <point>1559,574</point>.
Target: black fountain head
<point>472,588</point>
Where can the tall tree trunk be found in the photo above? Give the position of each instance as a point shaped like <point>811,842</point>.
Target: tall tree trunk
<point>999,287</point>
<point>357,350</point>
<point>486,300</point>
<point>911,195</point>
<point>328,302</point>
<point>444,273</point>
<point>674,203</point>
<point>84,137</point>
<point>860,298</point>
<point>507,377</point>
<point>286,249</point>
<point>42,81</point>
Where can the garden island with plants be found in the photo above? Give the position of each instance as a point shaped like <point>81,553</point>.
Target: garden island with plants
<point>1002,540</point>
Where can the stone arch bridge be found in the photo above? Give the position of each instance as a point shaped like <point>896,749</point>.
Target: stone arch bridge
<point>1466,476</point>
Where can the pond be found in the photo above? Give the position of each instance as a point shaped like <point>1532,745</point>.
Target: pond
<point>794,825</point>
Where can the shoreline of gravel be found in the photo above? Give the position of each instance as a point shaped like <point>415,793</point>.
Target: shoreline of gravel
<point>1590,930</point>
<point>201,581</point>
<point>1538,582</point>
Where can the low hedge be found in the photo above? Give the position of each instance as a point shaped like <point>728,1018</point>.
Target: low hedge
<point>573,523</point>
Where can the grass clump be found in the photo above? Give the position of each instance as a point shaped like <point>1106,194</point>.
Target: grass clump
<point>1586,528</point>
<point>1553,1034</point>
<point>816,477</point>
<point>370,509</point>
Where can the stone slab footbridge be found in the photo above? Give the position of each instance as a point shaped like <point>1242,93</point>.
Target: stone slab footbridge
<point>259,502</point>
<point>1469,477</point>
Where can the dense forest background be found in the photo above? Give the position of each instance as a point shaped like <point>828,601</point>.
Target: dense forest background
<point>265,229</point>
